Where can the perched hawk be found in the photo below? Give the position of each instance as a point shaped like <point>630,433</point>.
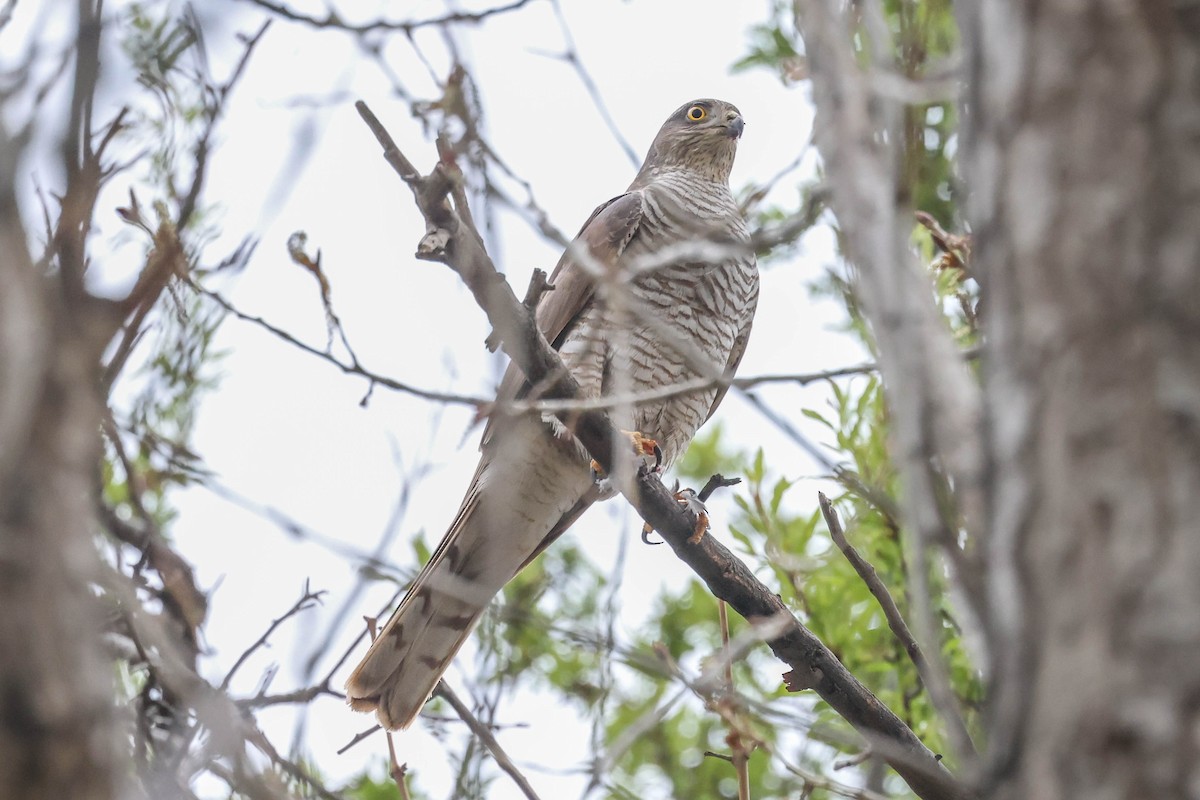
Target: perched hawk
<point>648,310</point>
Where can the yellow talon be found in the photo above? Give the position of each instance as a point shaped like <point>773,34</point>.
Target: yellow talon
<point>642,446</point>
<point>701,528</point>
<point>687,499</point>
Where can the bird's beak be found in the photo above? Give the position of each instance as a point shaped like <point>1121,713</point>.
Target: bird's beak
<point>734,125</point>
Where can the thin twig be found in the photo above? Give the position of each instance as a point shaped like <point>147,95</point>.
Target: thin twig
<point>308,599</point>
<point>397,770</point>
<point>717,481</point>
<point>333,20</point>
<point>296,697</point>
<point>741,755</point>
<point>358,737</point>
<point>866,571</point>
<point>947,705</point>
<point>349,369</point>
<point>485,736</point>
<point>571,56</point>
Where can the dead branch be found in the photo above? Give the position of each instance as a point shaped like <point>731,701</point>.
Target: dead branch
<point>354,368</point>
<point>308,599</point>
<point>485,736</point>
<point>946,706</point>
<point>333,20</point>
<point>571,56</point>
<point>812,664</point>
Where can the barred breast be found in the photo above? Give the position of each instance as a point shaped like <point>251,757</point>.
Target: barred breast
<point>660,327</point>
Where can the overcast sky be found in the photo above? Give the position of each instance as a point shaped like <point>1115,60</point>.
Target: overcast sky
<point>288,431</point>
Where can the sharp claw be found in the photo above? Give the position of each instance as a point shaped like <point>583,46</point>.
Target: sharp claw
<point>643,445</point>
<point>688,499</point>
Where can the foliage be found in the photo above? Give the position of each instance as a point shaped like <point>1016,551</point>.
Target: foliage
<point>176,363</point>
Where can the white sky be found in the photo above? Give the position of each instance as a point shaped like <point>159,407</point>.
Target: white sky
<point>287,430</point>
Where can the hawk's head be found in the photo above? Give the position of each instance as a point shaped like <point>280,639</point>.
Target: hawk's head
<point>701,135</point>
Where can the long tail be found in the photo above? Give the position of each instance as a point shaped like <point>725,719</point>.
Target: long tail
<point>527,490</point>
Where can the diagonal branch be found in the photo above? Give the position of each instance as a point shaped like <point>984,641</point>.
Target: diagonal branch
<point>334,20</point>
<point>484,735</point>
<point>449,241</point>
<point>946,703</point>
<point>308,599</point>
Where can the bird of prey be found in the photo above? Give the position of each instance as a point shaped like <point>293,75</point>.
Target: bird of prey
<point>658,289</point>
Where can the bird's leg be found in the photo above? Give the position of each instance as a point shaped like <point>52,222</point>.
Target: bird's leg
<point>689,500</point>
<point>642,446</point>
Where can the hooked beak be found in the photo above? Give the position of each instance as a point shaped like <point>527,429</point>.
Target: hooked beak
<point>734,125</point>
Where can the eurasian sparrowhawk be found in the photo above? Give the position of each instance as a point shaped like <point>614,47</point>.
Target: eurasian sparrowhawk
<point>664,297</point>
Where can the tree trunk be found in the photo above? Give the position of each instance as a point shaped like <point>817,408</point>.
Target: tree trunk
<point>1083,162</point>
<point>57,735</point>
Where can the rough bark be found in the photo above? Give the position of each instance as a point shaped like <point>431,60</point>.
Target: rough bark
<point>1083,160</point>
<point>57,734</point>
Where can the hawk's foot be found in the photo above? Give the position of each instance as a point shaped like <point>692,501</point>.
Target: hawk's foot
<point>645,446</point>
<point>642,446</point>
<point>689,500</point>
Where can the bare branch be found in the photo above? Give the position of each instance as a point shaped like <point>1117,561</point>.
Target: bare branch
<point>571,56</point>
<point>308,599</point>
<point>333,20</point>
<point>485,736</point>
<point>213,111</point>
<point>354,368</point>
<point>947,706</point>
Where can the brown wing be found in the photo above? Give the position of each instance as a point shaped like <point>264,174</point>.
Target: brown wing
<point>735,358</point>
<point>606,234</point>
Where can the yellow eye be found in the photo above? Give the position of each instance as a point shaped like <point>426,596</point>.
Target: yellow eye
<point>696,113</point>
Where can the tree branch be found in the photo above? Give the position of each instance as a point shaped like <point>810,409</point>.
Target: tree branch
<point>485,736</point>
<point>308,599</point>
<point>936,404</point>
<point>449,241</point>
<point>333,20</point>
<point>947,705</point>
